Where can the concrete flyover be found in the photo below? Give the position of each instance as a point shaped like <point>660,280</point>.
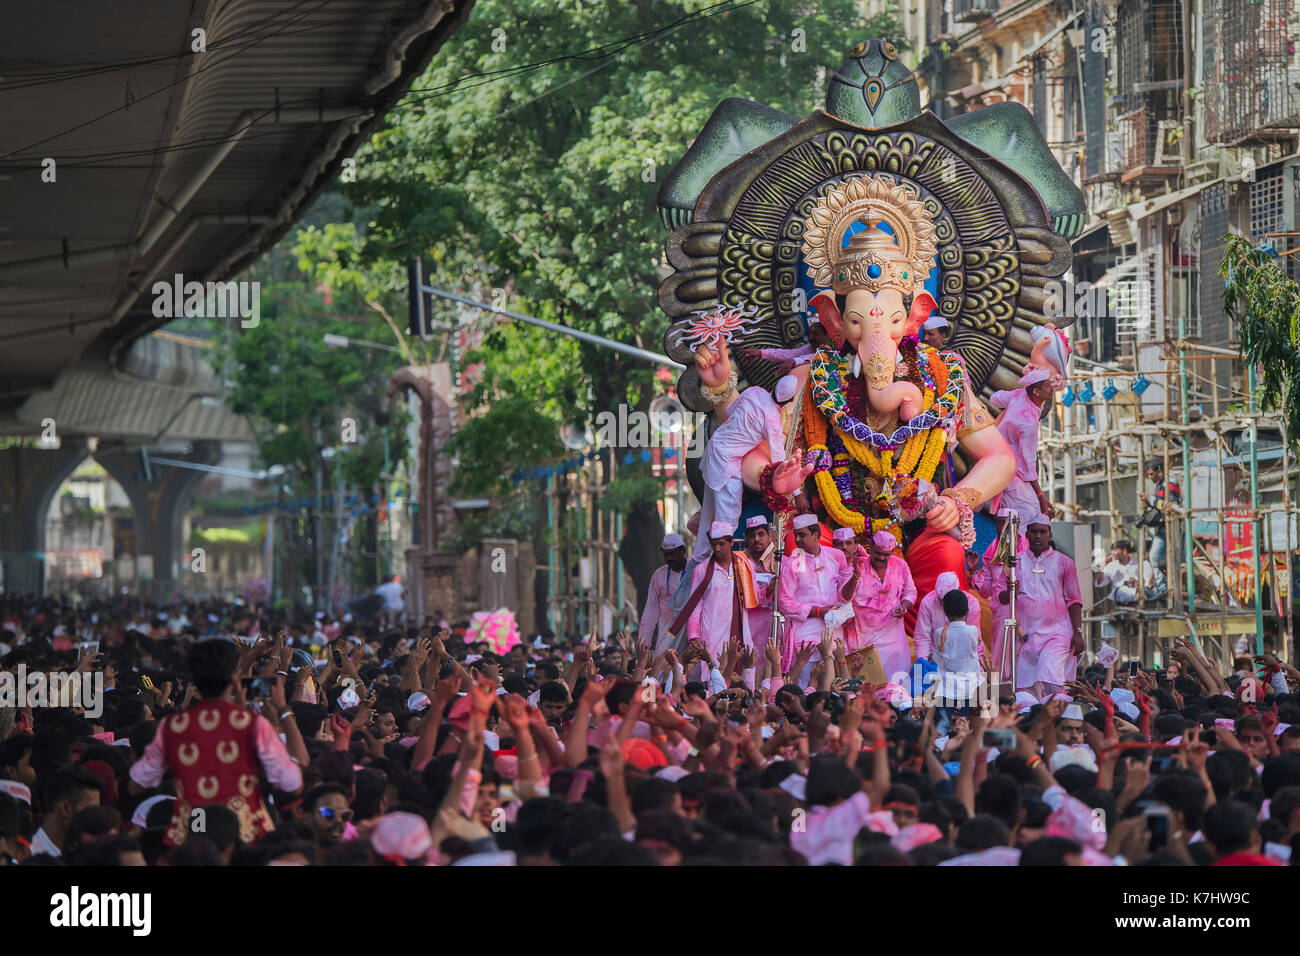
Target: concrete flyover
<point>145,140</point>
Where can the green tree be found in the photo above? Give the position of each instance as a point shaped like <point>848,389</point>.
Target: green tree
<point>1266,301</point>
<point>297,391</point>
<point>527,160</point>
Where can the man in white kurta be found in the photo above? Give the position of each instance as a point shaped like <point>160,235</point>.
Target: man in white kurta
<point>811,580</point>
<point>753,418</point>
<point>930,616</point>
<point>882,591</point>
<point>1050,611</point>
<point>656,617</point>
<point>1019,425</point>
<point>710,622</point>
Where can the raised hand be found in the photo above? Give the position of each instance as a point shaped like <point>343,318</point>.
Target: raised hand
<point>482,694</point>
<point>851,718</point>
<point>341,728</point>
<point>698,709</point>
<point>595,691</point>
<point>1268,719</point>
<point>278,699</point>
<point>729,655</point>
<point>446,689</point>
<point>1082,690</point>
<point>516,713</point>
<point>712,364</point>
<point>1053,710</point>
<point>772,654</point>
<point>611,760</point>
<point>789,476</point>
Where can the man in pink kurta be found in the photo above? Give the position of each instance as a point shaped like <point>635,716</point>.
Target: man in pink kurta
<point>811,579</point>
<point>991,582</point>
<point>1049,610</point>
<point>846,543</point>
<point>656,617</point>
<point>1019,425</point>
<point>751,420</point>
<point>930,618</point>
<point>758,543</point>
<point>882,590</point>
<point>710,622</point>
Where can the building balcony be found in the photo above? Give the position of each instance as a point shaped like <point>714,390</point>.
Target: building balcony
<point>969,11</point>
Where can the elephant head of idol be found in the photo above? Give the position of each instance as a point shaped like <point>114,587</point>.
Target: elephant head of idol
<point>876,278</point>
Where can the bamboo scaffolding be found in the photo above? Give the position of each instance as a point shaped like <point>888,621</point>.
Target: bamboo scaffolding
<point>1162,439</point>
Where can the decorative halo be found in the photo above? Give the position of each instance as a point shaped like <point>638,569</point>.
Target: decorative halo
<point>721,323</point>
<point>872,200</point>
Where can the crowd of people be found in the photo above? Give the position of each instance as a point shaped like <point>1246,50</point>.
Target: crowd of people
<point>225,736</point>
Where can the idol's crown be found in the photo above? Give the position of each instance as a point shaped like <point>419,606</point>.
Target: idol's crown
<point>872,259</point>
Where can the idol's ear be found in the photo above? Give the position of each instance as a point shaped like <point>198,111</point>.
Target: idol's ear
<point>922,305</point>
<point>828,313</point>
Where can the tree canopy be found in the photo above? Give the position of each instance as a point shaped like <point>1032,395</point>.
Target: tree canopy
<point>525,165</point>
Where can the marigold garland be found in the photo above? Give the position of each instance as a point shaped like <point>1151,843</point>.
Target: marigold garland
<point>933,454</point>
<point>826,379</point>
<point>830,496</point>
<point>814,424</point>
<point>918,455</point>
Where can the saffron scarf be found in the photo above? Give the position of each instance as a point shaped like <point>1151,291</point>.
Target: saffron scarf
<point>744,594</point>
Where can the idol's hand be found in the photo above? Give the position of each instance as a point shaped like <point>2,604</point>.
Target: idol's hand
<point>713,365</point>
<point>943,515</point>
<point>789,476</point>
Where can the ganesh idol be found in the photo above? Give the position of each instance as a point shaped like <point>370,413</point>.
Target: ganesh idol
<point>870,212</point>
<point>882,413</point>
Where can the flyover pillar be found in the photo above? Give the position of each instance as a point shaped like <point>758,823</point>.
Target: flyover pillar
<point>29,478</point>
<point>159,501</point>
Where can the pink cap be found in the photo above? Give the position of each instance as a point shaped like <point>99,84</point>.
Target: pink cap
<point>720,529</point>
<point>884,540</point>
<point>1076,821</point>
<point>401,837</point>
<point>758,521</point>
<point>19,791</point>
<point>787,388</point>
<point>882,821</point>
<point>805,521</point>
<point>914,835</point>
<point>895,694</point>
<point>946,582</point>
<point>1039,518</point>
<point>843,534</point>
<point>1034,376</point>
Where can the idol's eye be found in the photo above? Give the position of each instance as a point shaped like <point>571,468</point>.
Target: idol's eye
<point>860,49</point>
<point>890,51</point>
